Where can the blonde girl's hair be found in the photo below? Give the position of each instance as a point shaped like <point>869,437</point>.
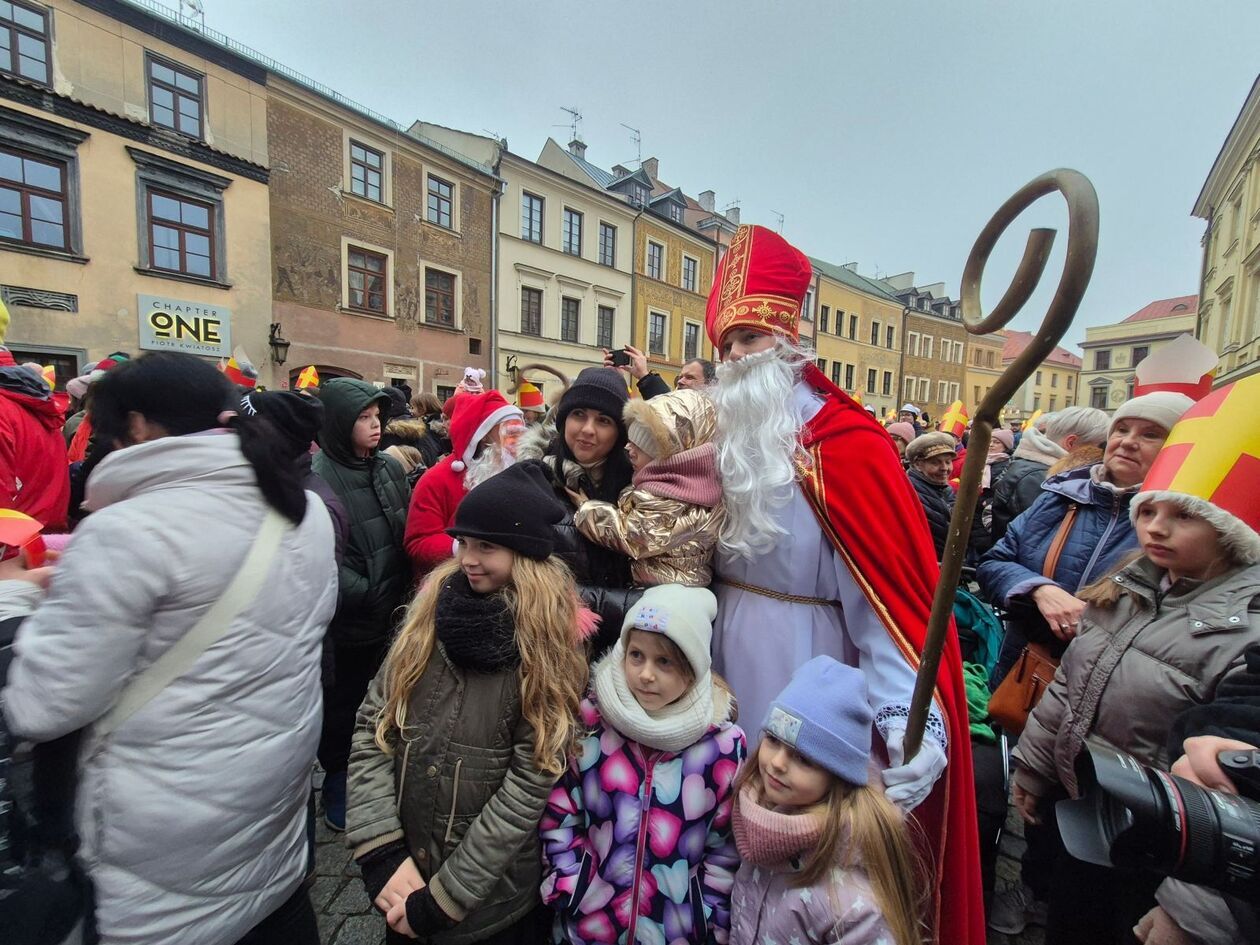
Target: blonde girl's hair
<point>553,668</point>
<point>878,839</point>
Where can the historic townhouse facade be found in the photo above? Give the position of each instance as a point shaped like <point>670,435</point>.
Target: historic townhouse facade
<point>134,193</point>
<point>1055,383</point>
<point>983,368</point>
<point>1112,352</point>
<point>934,350</point>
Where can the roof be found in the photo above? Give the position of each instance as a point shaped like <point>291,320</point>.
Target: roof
<point>848,277</point>
<point>594,171</point>
<point>1233,149</point>
<point>1164,308</point>
<point>1017,341</point>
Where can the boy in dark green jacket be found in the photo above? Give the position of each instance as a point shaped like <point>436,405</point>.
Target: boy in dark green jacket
<point>375,574</point>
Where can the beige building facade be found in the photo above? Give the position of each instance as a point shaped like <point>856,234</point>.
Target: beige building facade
<point>1112,352</point>
<point>984,367</point>
<point>135,188</point>
<point>1055,383</point>
<point>1229,311</point>
<point>934,352</point>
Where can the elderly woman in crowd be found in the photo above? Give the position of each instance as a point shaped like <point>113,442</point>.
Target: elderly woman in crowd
<point>902,434</point>
<point>931,458</point>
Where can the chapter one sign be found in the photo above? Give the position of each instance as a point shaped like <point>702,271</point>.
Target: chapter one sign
<point>177,325</point>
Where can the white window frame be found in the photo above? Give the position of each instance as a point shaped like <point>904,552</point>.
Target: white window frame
<point>442,174</point>
<point>665,315</point>
<point>346,243</point>
<point>942,392</point>
<point>947,350</point>
<point>908,386</point>
<point>925,389</point>
<point>387,169</point>
<point>682,275</point>
<point>912,343</point>
<point>422,319</point>
<point>925,345</point>
<point>955,391</point>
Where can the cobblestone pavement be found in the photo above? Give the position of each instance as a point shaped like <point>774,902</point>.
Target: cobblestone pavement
<point>347,918</point>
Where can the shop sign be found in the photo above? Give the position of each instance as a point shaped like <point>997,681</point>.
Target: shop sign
<point>192,327</point>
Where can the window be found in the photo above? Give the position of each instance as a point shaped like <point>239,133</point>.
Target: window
<point>367,273</point>
<point>690,268</point>
<point>655,259</point>
<point>835,372</point>
<point>889,337</point>
<point>33,196</point>
<point>975,394</point>
<point>571,234</point>
<point>955,389</point>
<point>24,49</point>
<point>822,364</point>
<point>942,392</point>
<point>656,333</point>
<point>848,376</point>
<point>1053,402</point>
<point>441,200</point>
<point>691,341</point>
<point>853,327</point>
<point>1102,360</point>
<point>1054,379</point>
<point>839,322</point>
<point>607,244</point>
<point>1069,384</point>
<point>807,309</point>
<point>366,166</point>
<point>675,213</point>
<point>907,388</point>
<point>439,297</point>
<point>925,347</point>
<point>181,235</point>
<point>872,378</point>
<point>947,351</point>
<point>1036,401</point>
<point>1098,397</point>
<point>912,343</point>
<point>474,346</point>
<point>569,310</point>
<point>958,352</point>
<point>444,392</point>
<point>531,311</point>
<point>875,333</point>
<point>988,359</point>
<point>925,388</point>
<point>824,317</point>
<point>887,388</point>
<point>174,97</point>
<point>531,218</point>
<point>1038,379</point>
<point>1139,354</point>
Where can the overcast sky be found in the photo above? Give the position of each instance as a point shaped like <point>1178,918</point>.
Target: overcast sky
<point>885,132</point>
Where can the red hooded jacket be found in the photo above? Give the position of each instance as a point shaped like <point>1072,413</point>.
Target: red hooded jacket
<point>34,477</point>
<point>441,488</point>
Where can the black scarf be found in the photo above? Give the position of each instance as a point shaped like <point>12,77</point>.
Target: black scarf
<point>477,631</point>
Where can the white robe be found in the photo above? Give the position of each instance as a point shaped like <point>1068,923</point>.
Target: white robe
<point>758,641</point>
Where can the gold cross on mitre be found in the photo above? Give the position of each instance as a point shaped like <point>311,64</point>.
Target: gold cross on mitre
<point>1220,430</point>
<point>957,414</point>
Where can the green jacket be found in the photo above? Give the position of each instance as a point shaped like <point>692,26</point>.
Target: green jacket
<point>461,789</point>
<point>375,574</point>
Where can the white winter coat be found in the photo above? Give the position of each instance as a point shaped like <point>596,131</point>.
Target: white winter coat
<point>192,813</point>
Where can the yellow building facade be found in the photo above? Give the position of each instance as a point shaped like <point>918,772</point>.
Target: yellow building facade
<point>1112,352</point>
<point>857,335</point>
<point>1055,383</point>
<point>673,272</point>
<point>143,221</point>
<point>983,368</point>
<point>1229,310</point>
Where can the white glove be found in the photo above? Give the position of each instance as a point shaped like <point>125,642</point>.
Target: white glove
<point>908,785</point>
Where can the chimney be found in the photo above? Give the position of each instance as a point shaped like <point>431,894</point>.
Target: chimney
<point>620,170</point>
<point>851,266</point>
<point>707,200</point>
<point>650,166</point>
<point>732,214</point>
<point>577,147</point>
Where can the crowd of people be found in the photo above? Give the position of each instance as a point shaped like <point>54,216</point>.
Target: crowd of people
<point>632,666</point>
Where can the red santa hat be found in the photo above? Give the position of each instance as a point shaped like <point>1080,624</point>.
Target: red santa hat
<point>474,416</point>
<point>760,284</point>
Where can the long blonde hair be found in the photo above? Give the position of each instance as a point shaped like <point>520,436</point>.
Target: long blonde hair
<point>553,668</point>
<point>861,827</point>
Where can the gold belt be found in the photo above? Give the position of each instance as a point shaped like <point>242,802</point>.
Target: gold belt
<point>779,595</point>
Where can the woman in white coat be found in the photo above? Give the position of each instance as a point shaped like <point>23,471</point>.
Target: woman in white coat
<point>192,811</point>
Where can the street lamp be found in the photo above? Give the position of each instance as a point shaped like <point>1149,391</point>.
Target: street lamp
<point>279,346</point>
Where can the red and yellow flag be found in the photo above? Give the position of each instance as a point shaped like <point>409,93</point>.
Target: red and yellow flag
<point>1036,415</point>
<point>237,376</point>
<point>955,420</point>
<point>49,374</point>
<point>19,530</point>
<point>1213,453</point>
<point>857,397</point>
<point>308,378</point>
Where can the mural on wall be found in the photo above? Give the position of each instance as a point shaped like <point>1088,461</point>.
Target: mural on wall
<point>306,270</point>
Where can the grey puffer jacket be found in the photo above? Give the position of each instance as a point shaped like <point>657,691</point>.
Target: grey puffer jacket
<point>1136,665</point>
<point>461,789</point>
<point>192,813</point>
<point>1100,536</point>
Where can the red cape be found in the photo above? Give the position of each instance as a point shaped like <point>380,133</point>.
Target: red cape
<point>862,498</point>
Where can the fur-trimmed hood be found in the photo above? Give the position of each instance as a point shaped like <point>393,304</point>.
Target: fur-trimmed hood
<point>1086,455</point>
<point>1239,538</point>
<point>535,443</point>
<point>408,429</point>
<point>674,422</point>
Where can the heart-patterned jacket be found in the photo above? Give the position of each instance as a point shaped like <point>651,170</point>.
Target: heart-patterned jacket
<point>637,843</point>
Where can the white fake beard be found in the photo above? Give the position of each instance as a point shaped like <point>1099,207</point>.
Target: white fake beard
<point>758,423</point>
<point>489,463</point>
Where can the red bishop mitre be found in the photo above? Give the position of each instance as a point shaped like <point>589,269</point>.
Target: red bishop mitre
<point>759,284</point>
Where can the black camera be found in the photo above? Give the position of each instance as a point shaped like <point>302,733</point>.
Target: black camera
<point>1132,816</point>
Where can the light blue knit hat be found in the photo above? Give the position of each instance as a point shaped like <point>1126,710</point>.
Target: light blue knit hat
<point>824,715</point>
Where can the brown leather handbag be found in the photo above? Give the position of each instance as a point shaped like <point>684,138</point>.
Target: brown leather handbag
<point>1021,690</point>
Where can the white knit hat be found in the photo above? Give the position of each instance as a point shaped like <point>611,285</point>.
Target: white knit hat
<point>683,614</point>
<point>1162,407</point>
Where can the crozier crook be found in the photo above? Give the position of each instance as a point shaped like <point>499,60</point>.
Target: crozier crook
<point>1082,248</point>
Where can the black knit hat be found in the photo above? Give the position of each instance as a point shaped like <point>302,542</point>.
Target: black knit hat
<point>596,388</point>
<point>515,508</point>
<point>296,417</point>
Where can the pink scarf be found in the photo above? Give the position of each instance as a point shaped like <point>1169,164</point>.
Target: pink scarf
<point>689,476</point>
<point>768,838</point>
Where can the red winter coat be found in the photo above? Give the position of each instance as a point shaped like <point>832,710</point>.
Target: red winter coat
<point>440,490</point>
<point>34,477</point>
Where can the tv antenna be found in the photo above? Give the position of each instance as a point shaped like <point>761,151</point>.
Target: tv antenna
<point>575,121</point>
<point>780,216</point>
<point>734,204</point>
<point>196,12</point>
<point>637,138</point>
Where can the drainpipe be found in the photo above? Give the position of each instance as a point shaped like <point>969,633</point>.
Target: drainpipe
<point>496,193</point>
<point>901,360</point>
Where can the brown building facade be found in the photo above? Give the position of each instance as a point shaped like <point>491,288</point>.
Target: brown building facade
<point>382,246</point>
<point>934,347</point>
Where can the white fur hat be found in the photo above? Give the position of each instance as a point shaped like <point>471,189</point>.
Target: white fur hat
<point>683,614</point>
